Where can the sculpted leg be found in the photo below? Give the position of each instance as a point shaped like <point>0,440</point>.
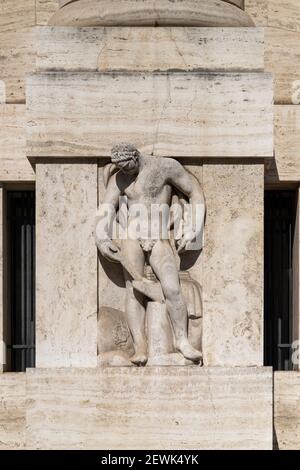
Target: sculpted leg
<point>135,311</point>
<point>164,266</point>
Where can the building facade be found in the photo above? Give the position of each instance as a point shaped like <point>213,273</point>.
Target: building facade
<point>212,89</point>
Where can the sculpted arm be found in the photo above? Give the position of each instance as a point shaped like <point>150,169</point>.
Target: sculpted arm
<point>105,218</point>
<point>194,219</point>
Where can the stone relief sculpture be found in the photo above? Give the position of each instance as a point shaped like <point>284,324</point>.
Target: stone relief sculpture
<point>153,210</point>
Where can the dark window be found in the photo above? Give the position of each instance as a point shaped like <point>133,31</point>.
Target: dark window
<point>21,265</point>
<point>279,234</point>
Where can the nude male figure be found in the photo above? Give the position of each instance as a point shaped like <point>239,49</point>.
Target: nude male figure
<point>149,180</point>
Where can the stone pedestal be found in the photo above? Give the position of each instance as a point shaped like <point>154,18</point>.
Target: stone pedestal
<point>149,408</point>
<point>128,408</point>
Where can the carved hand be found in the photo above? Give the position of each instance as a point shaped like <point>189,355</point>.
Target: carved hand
<point>109,250</point>
<point>184,242</point>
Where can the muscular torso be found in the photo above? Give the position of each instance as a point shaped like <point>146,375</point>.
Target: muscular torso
<point>147,188</point>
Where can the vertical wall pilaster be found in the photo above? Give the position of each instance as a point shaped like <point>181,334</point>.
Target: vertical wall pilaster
<point>66,304</point>
<point>233,265</point>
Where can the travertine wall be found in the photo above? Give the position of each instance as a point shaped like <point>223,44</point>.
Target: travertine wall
<point>149,49</point>
<point>233,264</point>
<point>236,211</point>
<point>66,274</point>
<point>174,114</point>
<point>83,408</point>
<point>14,166</point>
<point>287,410</point>
<point>53,400</point>
<point>82,108</point>
<point>149,408</point>
<point>286,165</point>
<point>280,19</point>
<point>12,411</point>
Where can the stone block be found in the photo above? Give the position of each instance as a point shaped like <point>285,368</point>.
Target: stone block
<point>233,265</point>
<point>287,410</point>
<point>283,60</point>
<point>150,408</point>
<point>66,291</point>
<point>178,114</point>
<point>12,411</point>
<point>14,165</point>
<point>286,165</point>
<point>149,49</point>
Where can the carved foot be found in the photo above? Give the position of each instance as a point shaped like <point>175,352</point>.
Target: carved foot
<point>189,352</point>
<point>139,359</point>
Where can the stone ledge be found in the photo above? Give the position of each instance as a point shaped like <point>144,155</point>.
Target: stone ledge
<point>178,115</point>
<point>287,409</point>
<point>12,410</point>
<point>151,13</point>
<point>150,408</point>
<point>238,3</point>
<point>149,49</point>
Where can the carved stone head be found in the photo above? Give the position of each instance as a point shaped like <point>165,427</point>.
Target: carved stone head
<point>126,157</point>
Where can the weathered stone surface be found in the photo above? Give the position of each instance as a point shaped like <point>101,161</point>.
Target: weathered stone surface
<point>14,165</point>
<point>151,13</point>
<point>66,311</point>
<point>283,60</point>
<point>286,165</point>
<point>113,331</point>
<point>287,410</point>
<point>150,408</point>
<point>16,15</point>
<point>17,56</point>
<point>16,46</point>
<point>179,114</point>
<point>233,265</point>
<point>281,20</point>
<point>62,3</point>
<point>159,330</point>
<point>12,411</point>
<point>45,9</point>
<point>111,284</point>
<point>115,358</point>
<point>284,14</point>
<point>2,92</point>
<point>149,49</point>
<point>258,10</point>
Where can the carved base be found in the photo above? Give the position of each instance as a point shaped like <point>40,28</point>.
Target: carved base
<point>149,408</point>
<point>148,13</point>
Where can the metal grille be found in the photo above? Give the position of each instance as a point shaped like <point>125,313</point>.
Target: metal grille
<point>21,214</point>
<point>279,233</point>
